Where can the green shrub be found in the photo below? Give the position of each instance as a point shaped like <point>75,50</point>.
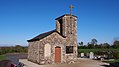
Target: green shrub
<point>116,55</point>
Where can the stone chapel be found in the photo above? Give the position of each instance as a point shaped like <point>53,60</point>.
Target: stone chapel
<point>56,46</point>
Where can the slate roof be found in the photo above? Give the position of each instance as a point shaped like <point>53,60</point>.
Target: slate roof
<point>41,36</point>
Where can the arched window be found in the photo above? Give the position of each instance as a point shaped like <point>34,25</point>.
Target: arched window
<point>47,50</point>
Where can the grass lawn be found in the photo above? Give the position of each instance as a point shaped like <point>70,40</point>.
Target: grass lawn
<point>2,57</point>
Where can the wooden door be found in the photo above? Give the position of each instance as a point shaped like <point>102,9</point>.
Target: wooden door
<point>57,54</point>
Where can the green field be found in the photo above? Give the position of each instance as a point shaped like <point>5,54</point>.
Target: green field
<point>95,50</point>
<point>2,57</point>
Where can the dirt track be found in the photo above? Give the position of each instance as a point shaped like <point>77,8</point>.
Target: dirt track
<point>82,62</point>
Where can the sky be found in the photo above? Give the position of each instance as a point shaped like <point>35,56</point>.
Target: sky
<point>21,20</point>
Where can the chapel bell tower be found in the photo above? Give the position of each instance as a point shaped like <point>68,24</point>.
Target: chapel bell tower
<point>66,25</point>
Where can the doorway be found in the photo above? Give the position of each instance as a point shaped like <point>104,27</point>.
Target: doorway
<point>57,54</point>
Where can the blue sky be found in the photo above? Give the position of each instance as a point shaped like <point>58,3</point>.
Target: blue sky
<point>21,20</point>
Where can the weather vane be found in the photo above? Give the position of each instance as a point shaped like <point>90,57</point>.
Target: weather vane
<point>71,9</point>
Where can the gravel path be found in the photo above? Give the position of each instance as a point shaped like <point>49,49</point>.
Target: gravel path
<point>82,62</point>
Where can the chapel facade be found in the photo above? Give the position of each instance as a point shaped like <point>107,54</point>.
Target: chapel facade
<point>56,46</point>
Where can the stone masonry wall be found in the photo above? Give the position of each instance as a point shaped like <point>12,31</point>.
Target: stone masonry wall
<point>54,40</point>
<point>36,48</point>
<point>33,53</point>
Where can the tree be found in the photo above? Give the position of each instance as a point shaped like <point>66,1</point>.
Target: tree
<point>81,43</point>
<point>94,41</point>
<point>116,44</point>
<point>97,46</point>
<point>90,45</point>
<point>105,45</point>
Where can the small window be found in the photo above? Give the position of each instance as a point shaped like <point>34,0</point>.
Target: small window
<point>69,49</point>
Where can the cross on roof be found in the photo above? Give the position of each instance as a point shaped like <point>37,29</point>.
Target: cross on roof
<point>71,9</point>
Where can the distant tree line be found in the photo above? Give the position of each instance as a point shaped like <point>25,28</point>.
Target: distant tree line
<point>103,46</point>
<point>93,44</point>
<point>13,49</point>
